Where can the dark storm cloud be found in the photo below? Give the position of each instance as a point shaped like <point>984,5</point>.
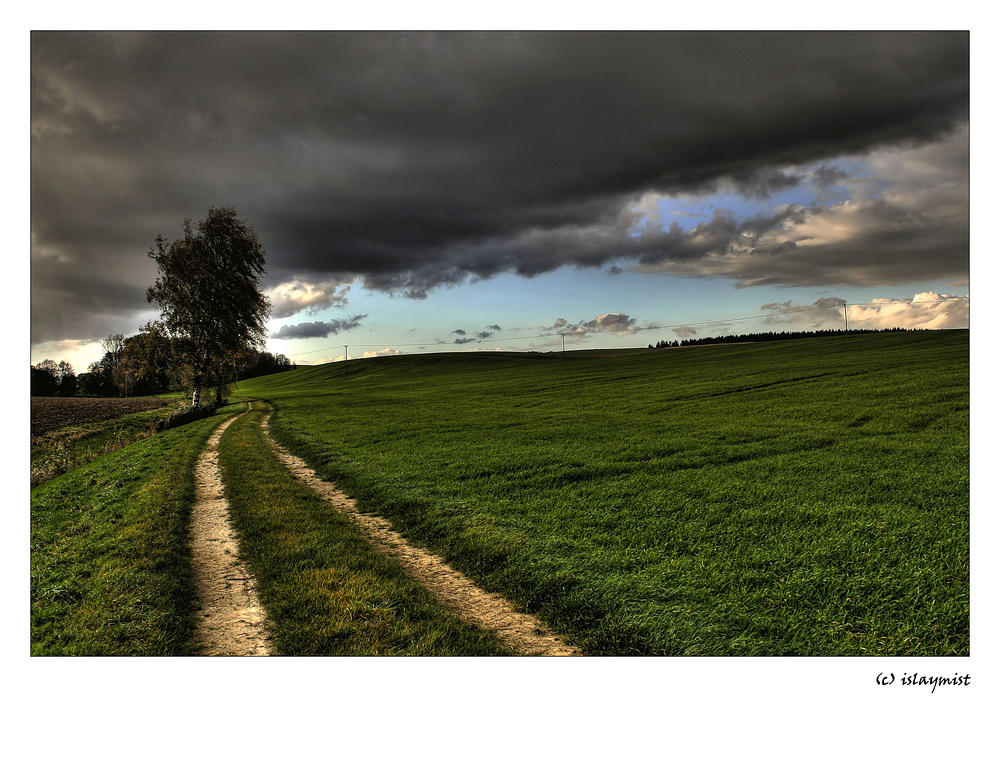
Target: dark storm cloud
<point>414,161</point>
<point>317,329</point>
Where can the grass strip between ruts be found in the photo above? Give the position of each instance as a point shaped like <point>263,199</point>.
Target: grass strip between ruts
<point>327,591</point>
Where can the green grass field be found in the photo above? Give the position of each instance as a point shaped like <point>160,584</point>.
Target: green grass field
<point>805,497</point>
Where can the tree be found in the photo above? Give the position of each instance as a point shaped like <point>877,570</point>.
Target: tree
<point>113,346</point>
<point>67,379</point>
<point>265,363</point>
<point>44,381</point>
<point>143,363</point>
<point>89,382</point>
<point>48,379</point>
<point>100,374</point>
<point>98,379</point>
<point>208,294</point>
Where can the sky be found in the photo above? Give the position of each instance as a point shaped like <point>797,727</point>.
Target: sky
<point>459,191</point>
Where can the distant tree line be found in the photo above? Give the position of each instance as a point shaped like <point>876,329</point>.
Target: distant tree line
<point>144,364</point>
<point>757,337</point>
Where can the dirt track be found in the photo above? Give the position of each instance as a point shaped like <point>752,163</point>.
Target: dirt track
<point>522,632</point>
<point>232,621</point>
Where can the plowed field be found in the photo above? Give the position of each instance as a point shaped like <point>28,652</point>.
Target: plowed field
<point>52,413</point>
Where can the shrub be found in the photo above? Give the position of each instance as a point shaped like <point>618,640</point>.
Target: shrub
<point>185,416</point>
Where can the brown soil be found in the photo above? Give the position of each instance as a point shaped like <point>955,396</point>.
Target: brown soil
<point>52,413</point>
<point>231,621</point>
<point>523,633</point>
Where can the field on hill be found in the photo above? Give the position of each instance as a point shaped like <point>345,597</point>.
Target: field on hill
<point>807,497</point>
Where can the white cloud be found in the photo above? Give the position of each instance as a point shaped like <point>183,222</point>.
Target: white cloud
<point>617,323</point>
<point>926,310</point>
<point>386,352</point>
<point>612,322</point>
<point>295,296</point>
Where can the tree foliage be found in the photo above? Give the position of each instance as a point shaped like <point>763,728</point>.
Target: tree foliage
<point>43,379</point>
<point>266,363</point>
<point>49,379</point>
<point>143,365</point>
<point>209,296</point>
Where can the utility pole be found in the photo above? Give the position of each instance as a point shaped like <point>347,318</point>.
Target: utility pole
<point>564,345</point>
<point>846,327</point>
<point>345,360</point>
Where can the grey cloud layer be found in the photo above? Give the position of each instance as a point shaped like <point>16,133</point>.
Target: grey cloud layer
<point>414,161</point>
<point>317,329</point>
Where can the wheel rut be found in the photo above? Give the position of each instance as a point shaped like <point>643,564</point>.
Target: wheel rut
<point>522,632</point>
<point>231,620</point>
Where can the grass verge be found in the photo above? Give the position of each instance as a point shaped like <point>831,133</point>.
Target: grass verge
<point>326,590</point>
<point>110,553</point>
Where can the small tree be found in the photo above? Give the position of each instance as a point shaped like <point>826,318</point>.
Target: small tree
<point>99,379</point>
<point>67,379</point>
<point>209,296</point>
<point>113,346</point>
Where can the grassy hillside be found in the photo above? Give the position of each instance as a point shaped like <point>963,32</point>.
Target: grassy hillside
<point>807,497</point>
